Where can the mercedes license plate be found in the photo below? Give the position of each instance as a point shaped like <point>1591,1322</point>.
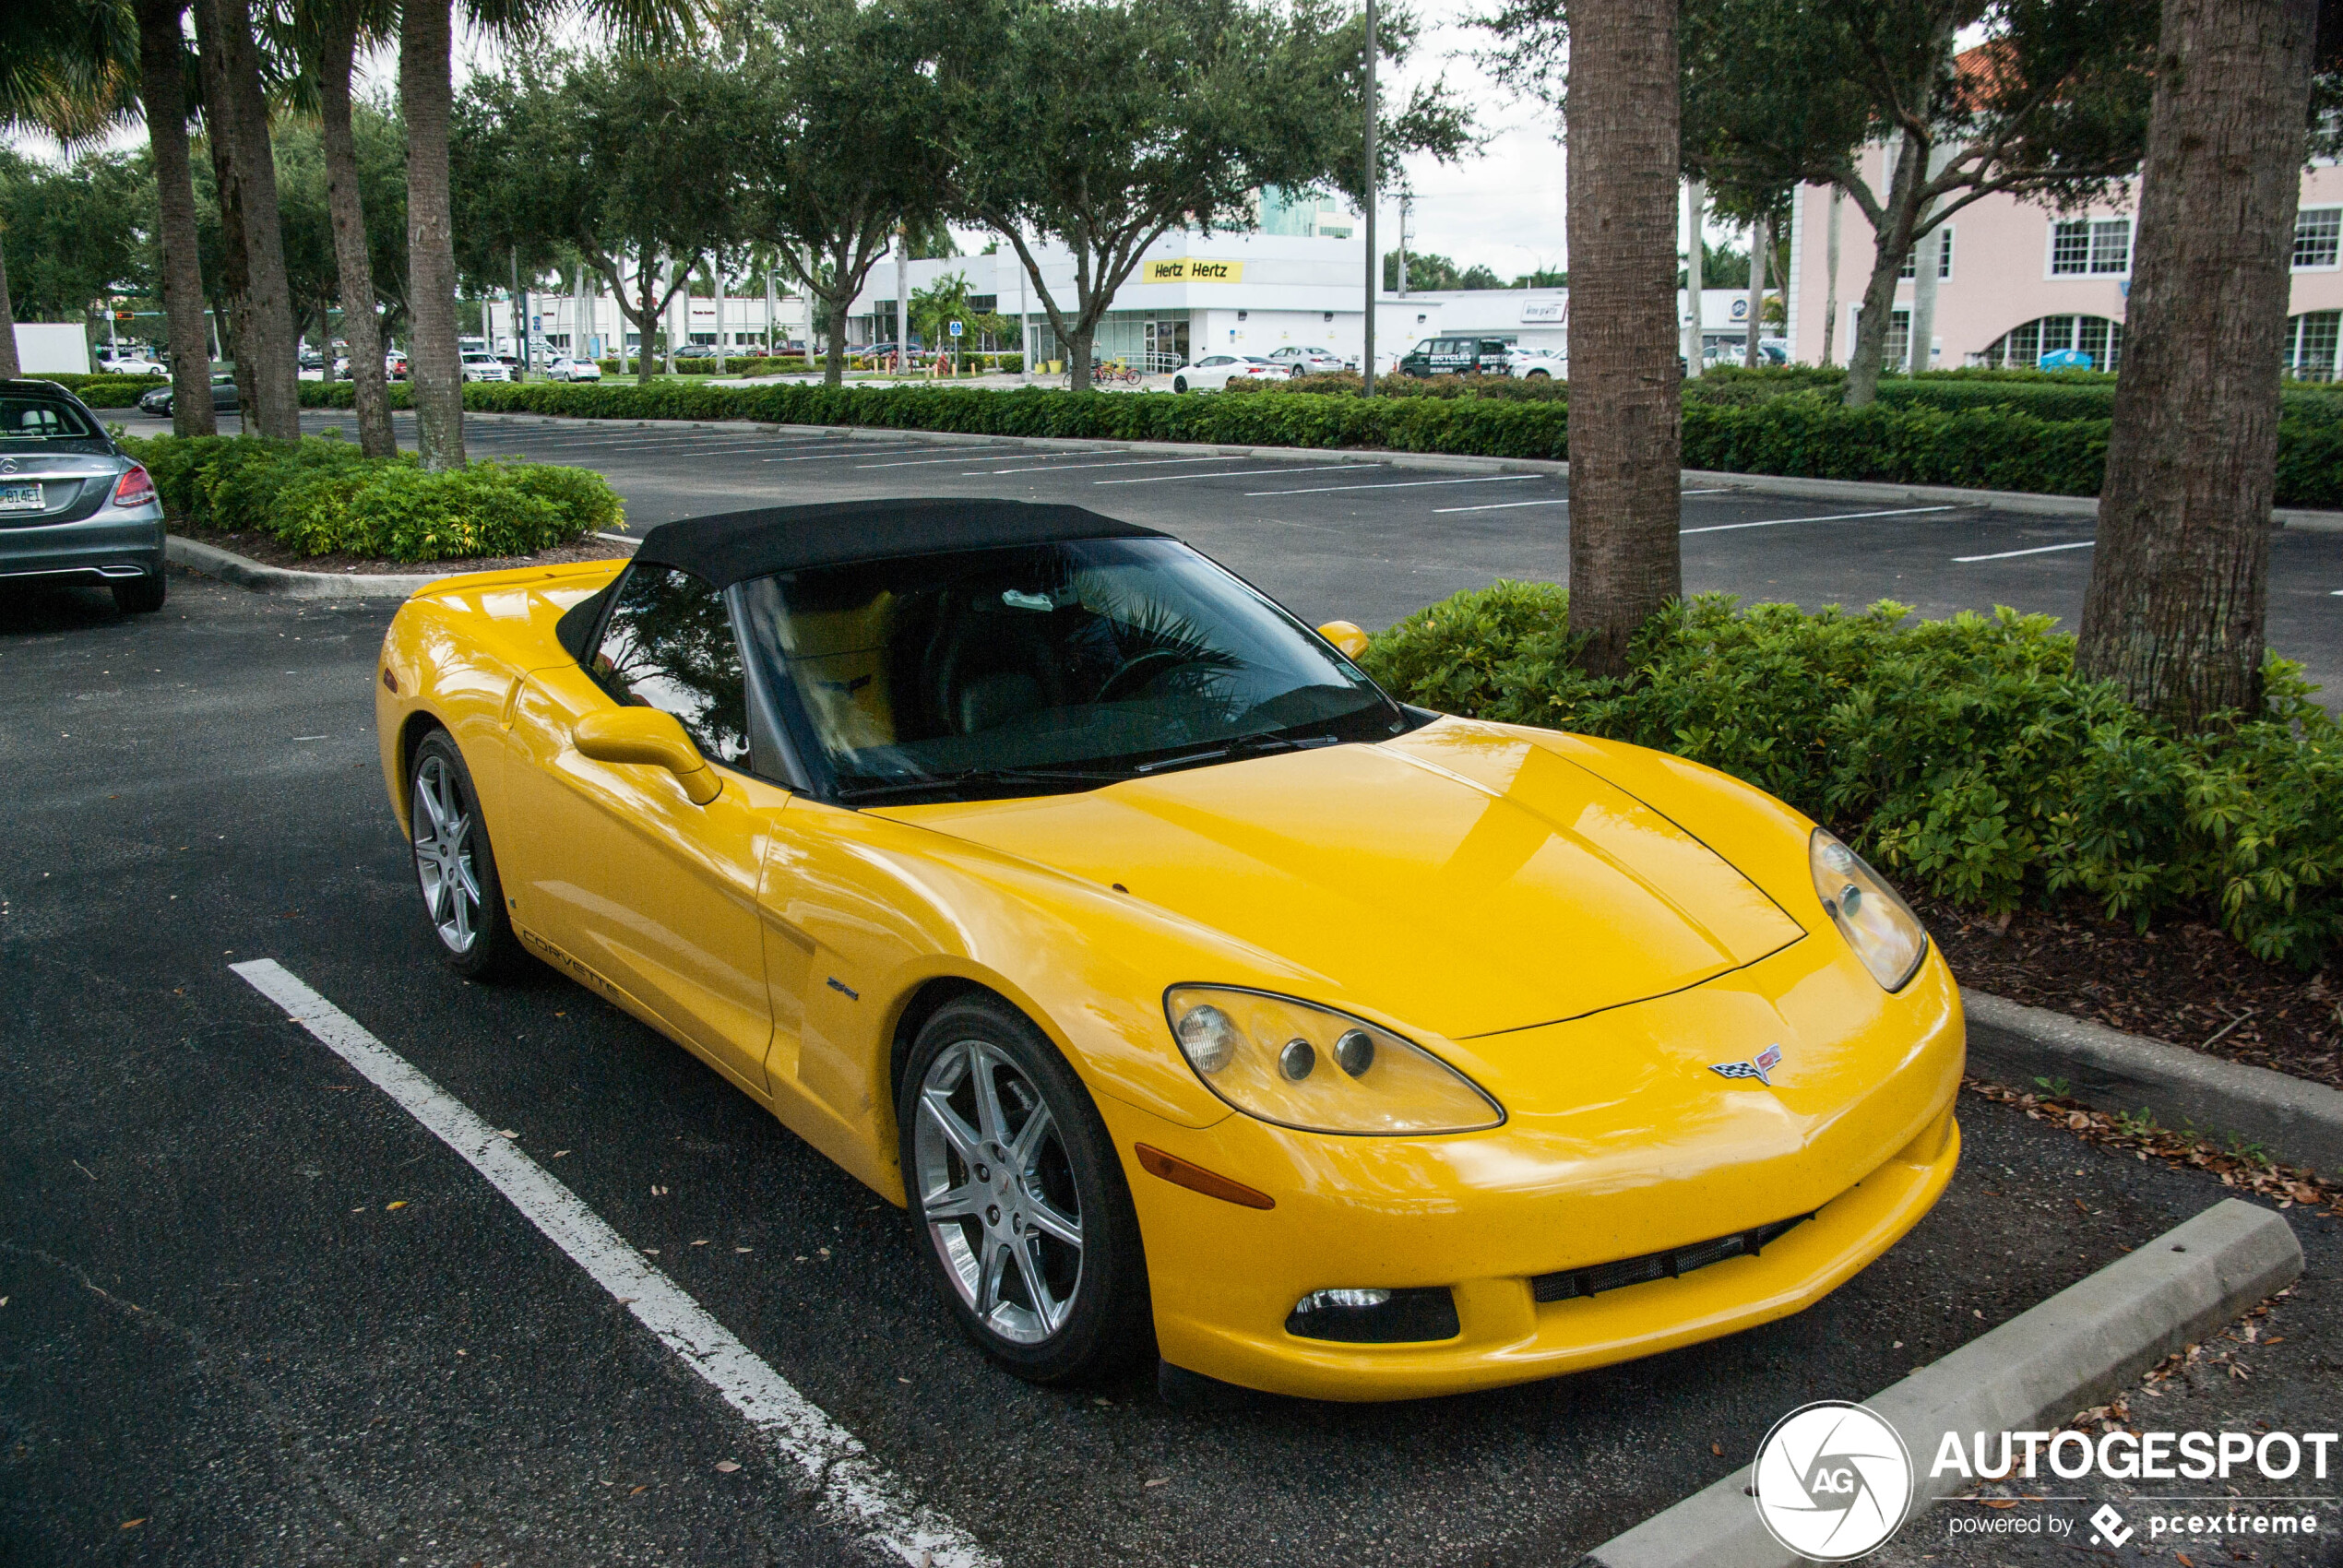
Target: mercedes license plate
<point>19,498</point>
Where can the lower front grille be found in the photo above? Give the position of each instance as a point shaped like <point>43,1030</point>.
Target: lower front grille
<point>1561,1285</point>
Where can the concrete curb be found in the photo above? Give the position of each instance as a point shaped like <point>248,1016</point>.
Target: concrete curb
<point>228,566</point>
<point>1760,485</point>
<point>2299,1122</point>
<point>2067,1354</point>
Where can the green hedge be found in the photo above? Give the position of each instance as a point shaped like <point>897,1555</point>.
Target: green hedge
<point>104,391</point>
<point>1965,756</point>
<point>1803,431</point>
<point>320,497</point>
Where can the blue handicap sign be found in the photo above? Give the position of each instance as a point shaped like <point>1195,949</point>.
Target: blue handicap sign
<point>956,325</point>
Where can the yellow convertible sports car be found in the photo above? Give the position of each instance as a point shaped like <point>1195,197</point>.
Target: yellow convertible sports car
<point>1183,986</point>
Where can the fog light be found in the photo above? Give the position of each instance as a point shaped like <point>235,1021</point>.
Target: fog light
<point>1317,1299</point>
<point>1371,1316</point>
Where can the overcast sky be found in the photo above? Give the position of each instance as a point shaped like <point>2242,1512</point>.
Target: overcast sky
<point>1502,208</point>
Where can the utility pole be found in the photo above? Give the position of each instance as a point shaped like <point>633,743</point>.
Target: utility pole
<point>1375,262</point>
<point>1407,203</point>
<point>1696,204</point>
<point>902,296</point>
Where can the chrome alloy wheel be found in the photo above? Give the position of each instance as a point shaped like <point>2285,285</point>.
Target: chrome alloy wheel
<point>997,1193</point>
<point>444,855</point>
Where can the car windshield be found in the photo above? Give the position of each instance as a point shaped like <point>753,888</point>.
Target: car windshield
<point>46,421</point>
<point>1041,668</point>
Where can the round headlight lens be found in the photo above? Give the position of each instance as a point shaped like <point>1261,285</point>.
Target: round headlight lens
<point>1262,1053</point>
<point>1207,1038</point>
<point>1877,925</point>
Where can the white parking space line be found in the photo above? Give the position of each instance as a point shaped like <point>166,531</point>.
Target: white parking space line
<point>1555,501</point>
<point>875,452</point>
<point>1827,517</point>
<point>1134,463</point>
<point>1248,473</point>
<point>1396,484</point>
<point>2013,554</point>
<point>858,1494</point>
<point>962,456</point>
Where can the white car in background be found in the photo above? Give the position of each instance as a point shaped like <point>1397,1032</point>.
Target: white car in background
<point>479,367</point>
<point>130,364</point>
<point>1534,365</point>
<point>567,368</point>
<point>1214,372</point>
<point>1299,361</point>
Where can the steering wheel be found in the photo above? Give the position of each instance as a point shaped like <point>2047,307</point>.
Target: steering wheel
<point>1137,671</point>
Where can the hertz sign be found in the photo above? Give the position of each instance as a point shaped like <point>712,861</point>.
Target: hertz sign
<point>1191,270</point>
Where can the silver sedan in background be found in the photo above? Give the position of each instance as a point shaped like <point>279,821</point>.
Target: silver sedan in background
<point>74,506</point>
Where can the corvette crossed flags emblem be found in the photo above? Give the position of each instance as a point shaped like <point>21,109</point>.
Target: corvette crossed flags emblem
<point>1761,1068</point>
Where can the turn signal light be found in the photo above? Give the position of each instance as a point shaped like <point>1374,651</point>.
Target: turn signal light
<point>137,488</point>
<point>1196,1178</point>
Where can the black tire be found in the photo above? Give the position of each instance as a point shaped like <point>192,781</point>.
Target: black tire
<point>474,931</point>
<point>1091,1316</point>
<point>141,595</point>
<point>1180,382</point>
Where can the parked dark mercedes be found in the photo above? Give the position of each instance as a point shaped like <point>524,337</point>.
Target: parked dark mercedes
<point>74,506</point>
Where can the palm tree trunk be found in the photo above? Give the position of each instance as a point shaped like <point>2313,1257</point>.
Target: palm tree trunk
<point>1626,424</point>
<point>162,91</point>
<point>2180,580</point>
<point>267,373</point>
<point>9,368</point>
<point>370,389</point>
<point>234,299</point>
<point>435,368</point>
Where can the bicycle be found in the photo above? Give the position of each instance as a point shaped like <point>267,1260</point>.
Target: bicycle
<point>1106,373</point>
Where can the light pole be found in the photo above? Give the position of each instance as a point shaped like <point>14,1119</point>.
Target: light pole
<point>1366,356</point>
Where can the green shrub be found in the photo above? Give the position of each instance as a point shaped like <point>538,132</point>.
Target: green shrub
<point>104,391</point>
<point>1802,430</point>
<point>1965,756</point>
<point>320,497</point>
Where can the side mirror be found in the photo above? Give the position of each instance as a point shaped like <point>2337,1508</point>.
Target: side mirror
<point>648,736</point>
<point>1346,638</point>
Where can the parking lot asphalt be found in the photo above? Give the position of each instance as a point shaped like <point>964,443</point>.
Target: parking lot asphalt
<point>1332,535</point>
<point>252,1312</point>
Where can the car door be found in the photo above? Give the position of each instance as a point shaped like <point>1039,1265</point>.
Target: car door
<point>631,885</point>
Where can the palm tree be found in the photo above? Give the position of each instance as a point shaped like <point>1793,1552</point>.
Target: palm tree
<point>1626,429</point>
<point>326,34</point>
<point>427,97</point>
<point>257,288</point>
<point>61,71</point>
<point>2180,583</point>
<point>162,90</point>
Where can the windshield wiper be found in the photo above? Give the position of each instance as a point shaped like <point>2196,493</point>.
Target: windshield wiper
<point>980,777</point>
<point>1243,745</point>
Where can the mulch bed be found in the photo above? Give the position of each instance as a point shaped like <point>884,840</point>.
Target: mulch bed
<point>2183,983</point>
<point>267,549</point>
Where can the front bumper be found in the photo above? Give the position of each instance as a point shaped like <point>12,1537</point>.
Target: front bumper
<point>114,546</point>
<point>1634,1170</point>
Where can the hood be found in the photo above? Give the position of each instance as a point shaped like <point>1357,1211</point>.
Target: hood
<point>1459,906</point>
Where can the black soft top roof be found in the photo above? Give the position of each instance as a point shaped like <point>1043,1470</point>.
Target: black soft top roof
<point>738,546</point>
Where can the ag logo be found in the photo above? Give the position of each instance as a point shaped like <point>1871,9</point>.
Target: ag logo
<point>1833,1481</point>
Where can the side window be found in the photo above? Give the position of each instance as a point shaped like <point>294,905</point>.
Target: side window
<point>669,644</point>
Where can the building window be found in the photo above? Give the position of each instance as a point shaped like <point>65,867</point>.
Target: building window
<point>2022,347</point>
<point>2310,344</point>
<point>2091,247</point>
<point>2318,236</point>
<point>1942,238</point>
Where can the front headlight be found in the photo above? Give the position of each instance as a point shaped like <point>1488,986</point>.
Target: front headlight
<point>1877,925</point>
<point>1320,1071</point>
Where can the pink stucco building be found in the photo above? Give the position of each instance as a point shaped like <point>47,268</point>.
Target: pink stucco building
<point>2015,281</point>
